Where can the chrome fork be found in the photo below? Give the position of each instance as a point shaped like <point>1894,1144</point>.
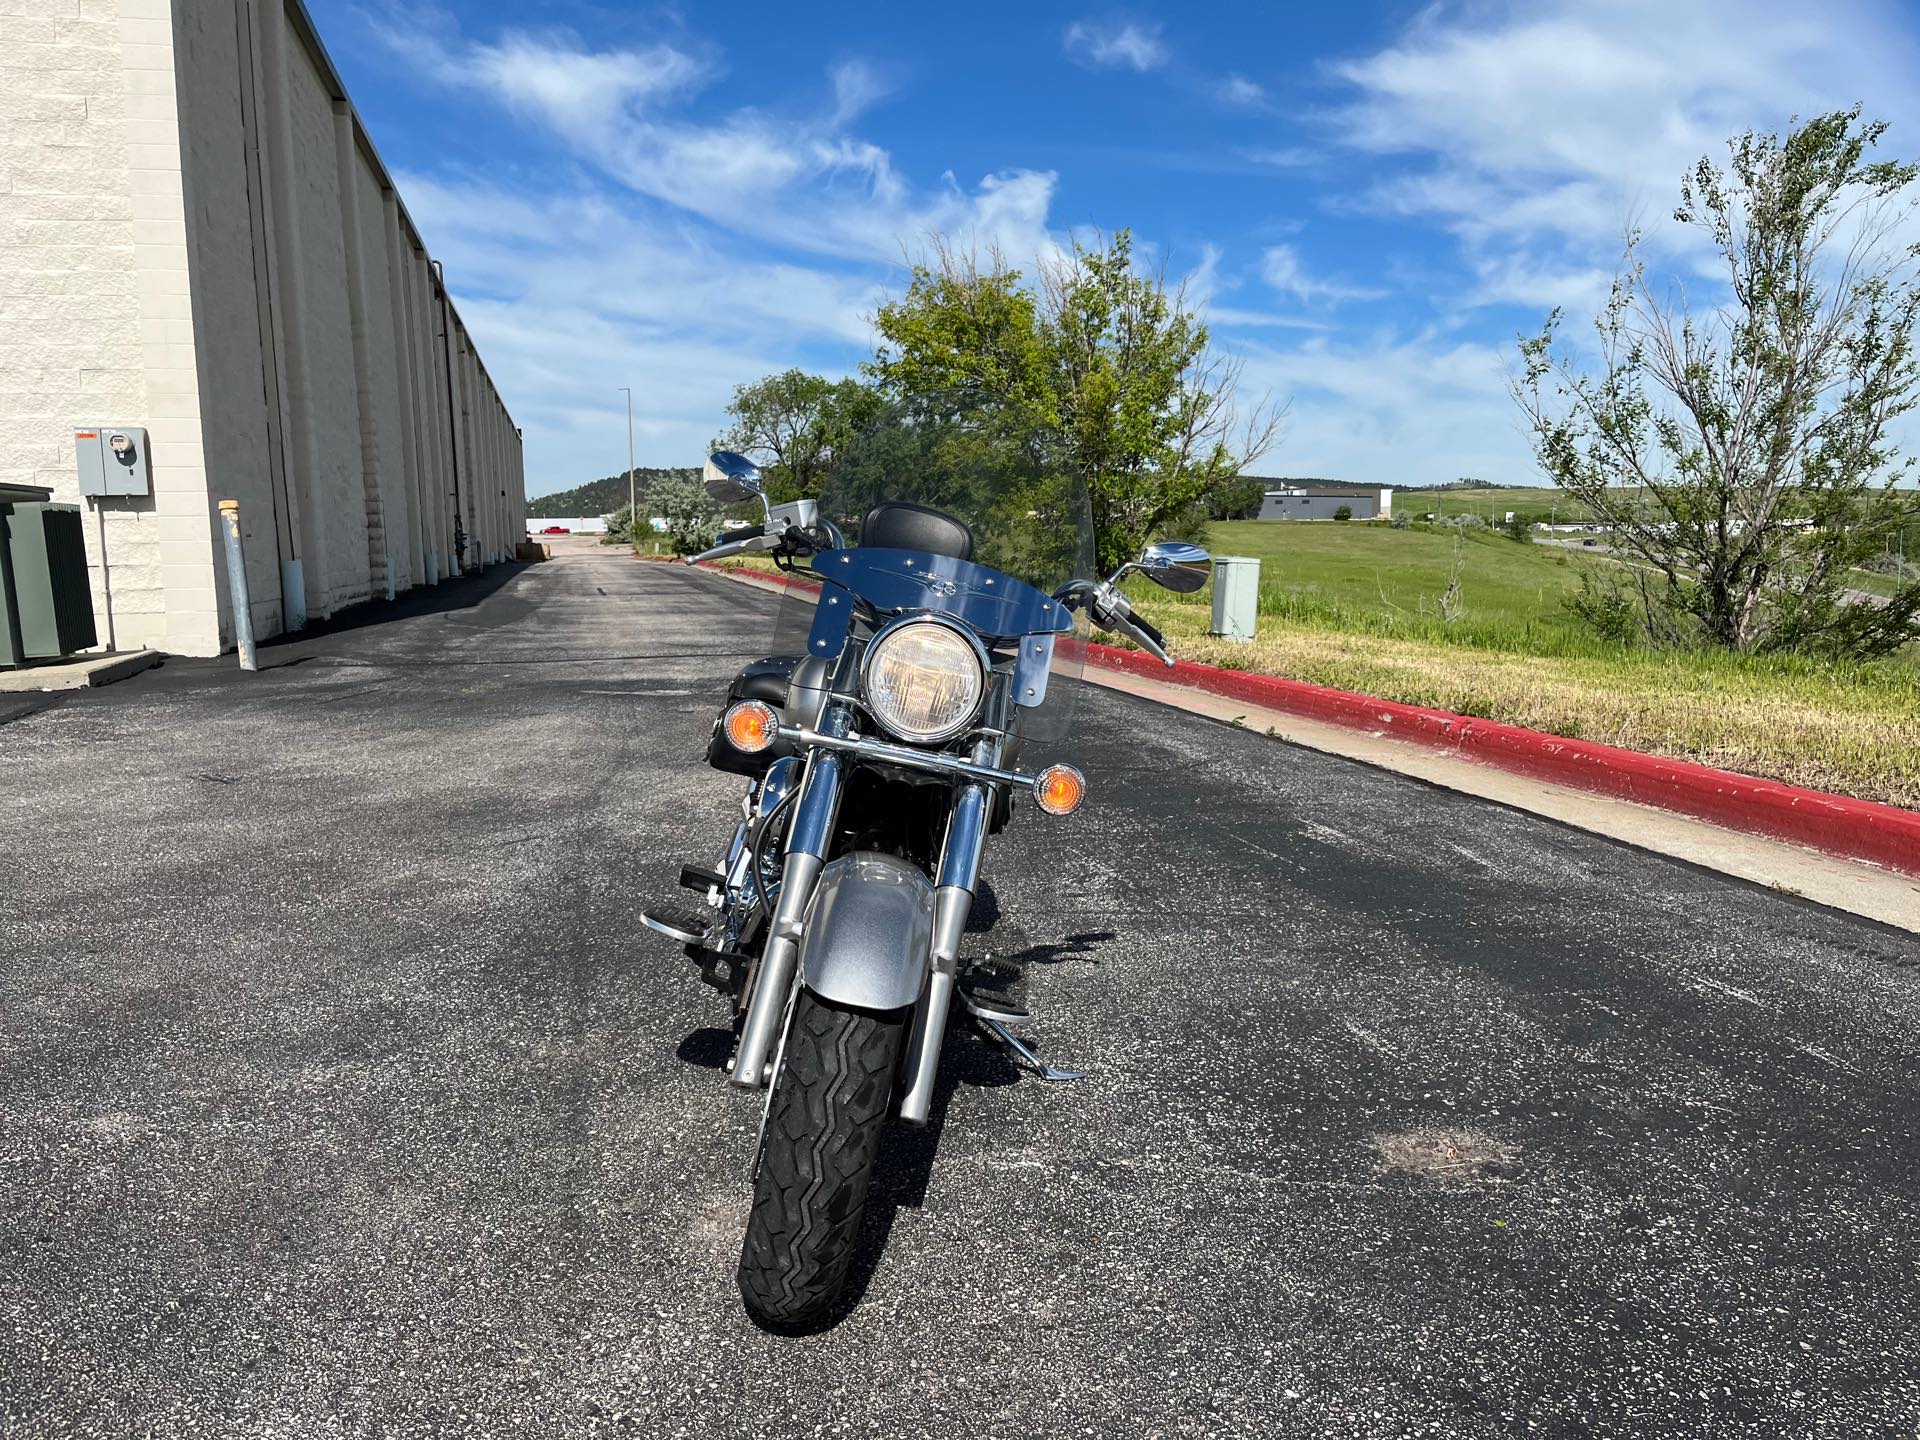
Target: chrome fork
<point>954,882</point>
<point>808,836</point>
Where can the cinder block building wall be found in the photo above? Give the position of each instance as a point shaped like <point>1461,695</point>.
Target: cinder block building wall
<point>197,236</point>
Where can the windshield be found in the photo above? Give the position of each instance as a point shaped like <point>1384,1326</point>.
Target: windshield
<point>1011,527</point>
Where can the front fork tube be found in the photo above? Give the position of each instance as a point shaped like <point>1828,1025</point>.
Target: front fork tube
<point>807,841</point>
<point>952,900</point>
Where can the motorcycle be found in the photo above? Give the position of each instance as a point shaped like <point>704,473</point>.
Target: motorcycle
<point>882,746</point>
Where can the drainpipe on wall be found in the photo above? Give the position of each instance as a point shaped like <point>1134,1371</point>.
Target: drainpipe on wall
<point>453,416</point>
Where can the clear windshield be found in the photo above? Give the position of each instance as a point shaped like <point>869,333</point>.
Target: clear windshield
<point>1027,521</point>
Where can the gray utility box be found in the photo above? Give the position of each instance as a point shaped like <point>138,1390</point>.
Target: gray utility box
<point>1236,596</point>
<point>46,606</point>
<point>112,460</point>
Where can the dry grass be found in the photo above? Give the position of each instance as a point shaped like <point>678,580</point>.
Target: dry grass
<point>1856,731</point>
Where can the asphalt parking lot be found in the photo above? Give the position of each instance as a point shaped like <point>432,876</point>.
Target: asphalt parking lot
<point>340,1095</point>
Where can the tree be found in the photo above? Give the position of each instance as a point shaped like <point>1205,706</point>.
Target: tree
<point>693,519</point>
<point>1345,512</point>
<point>1111,359</point>
<point>1741,453</point>
<point>795,425</point>
<point>1237,499</point>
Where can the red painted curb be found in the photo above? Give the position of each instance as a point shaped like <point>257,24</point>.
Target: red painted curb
<point>1838,824</point>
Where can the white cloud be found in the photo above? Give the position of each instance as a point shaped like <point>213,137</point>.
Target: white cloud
<point>1282,268</point>
<point>550,76</point>
<point>802,182</point>
<point>1238,90</point>
<point>574,292</point>
<point>1542,130</point>
<point>1393,410</point>
<point>857,87</point>
<point>1116,45</point>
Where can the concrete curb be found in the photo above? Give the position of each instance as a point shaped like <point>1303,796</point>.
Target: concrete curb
<point>78,672</point>
<point>1839,825</point>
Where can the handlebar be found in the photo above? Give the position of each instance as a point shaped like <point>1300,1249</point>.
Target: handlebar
<point>1110,610</point>
<point>1151,640</point>
<point>754,537</point>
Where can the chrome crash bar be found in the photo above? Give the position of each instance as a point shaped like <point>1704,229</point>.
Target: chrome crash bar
<point>888,753</point>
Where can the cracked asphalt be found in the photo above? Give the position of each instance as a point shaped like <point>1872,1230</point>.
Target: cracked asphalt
<point>339,1093</point>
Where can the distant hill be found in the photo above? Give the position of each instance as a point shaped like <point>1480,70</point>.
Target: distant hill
<point>1309,482</point>
<point>605,495</point>
<point>1318,482</point>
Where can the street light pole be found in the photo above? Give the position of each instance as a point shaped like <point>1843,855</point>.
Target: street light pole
<point>633,502</point>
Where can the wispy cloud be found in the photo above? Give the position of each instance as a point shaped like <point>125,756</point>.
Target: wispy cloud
<point>1540,131</point>
<point>802,181</point>
<point>1116,44</point>
<point>1238,90</point>
<point>1283,269</point>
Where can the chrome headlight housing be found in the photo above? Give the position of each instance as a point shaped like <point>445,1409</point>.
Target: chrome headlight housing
<point>924,679</point>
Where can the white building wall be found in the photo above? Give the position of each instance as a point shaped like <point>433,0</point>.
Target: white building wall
<point>191,221</point>
<point>228,239</point>
<point>95,318</point>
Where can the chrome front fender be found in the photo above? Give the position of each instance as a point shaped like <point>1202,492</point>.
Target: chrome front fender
<point>869,933</point>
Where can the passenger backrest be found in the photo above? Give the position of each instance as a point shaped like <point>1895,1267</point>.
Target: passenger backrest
<point>899,525</point>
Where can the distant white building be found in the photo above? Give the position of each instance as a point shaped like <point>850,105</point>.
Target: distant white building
<point>1306,502</point>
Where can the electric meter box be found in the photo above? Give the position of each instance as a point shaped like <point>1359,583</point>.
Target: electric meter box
<point>113,460</point>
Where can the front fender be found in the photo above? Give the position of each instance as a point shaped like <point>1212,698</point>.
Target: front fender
<point>868,933</point>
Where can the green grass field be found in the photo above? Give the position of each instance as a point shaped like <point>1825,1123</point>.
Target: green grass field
<point>1370,575</point>
<point>1356,606</point>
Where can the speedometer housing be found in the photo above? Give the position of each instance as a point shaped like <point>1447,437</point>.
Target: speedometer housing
<point>924,678</point>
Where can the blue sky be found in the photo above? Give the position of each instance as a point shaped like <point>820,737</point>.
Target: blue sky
<point>1368,202</point>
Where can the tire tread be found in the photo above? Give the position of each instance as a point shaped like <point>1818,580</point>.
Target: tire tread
<point>823,1130</point>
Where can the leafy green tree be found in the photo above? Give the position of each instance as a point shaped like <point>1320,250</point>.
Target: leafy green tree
<point>1345,512</point>
<point>1237,499</point>
<point>1109,358</point>
<point>795,425</point>
<point>693,519</point>
<point>1741,454</point>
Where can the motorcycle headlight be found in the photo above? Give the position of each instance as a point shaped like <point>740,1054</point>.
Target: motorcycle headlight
<point>923,680</point>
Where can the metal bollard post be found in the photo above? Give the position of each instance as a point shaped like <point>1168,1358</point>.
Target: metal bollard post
<point>1236,596</point>
<point>237,584</point>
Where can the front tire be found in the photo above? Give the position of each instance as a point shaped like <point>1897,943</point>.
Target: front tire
<point>824,1119</point>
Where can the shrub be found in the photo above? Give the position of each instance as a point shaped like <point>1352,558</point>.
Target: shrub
<point>1345,512</point>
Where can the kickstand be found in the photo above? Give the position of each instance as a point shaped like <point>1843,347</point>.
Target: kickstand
<point>1027,1053</point>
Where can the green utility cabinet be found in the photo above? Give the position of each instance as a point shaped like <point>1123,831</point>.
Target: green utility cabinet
<point>46,606</point>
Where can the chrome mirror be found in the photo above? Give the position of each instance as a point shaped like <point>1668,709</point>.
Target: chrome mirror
<point>731,478</point>
<point>1175,565</point>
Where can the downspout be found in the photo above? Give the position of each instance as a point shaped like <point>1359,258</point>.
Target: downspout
<point>453,417</point>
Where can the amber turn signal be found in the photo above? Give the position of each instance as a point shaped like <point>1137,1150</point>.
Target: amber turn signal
<point>1059,789</point>
<point>752,726</point>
